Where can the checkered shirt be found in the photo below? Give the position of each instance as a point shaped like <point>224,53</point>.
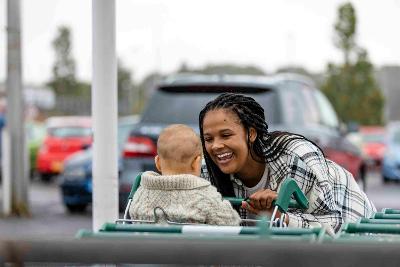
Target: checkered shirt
<point>334,196</point>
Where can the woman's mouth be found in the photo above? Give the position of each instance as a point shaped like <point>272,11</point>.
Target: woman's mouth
<point>224,158</point>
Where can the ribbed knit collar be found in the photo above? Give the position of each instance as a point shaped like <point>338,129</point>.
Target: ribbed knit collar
<point>153,180</point>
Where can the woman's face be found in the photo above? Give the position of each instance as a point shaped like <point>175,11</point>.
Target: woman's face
<point>225,140</point>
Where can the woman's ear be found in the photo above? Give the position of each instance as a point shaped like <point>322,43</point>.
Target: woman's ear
<point>252,134</point>
<point>158,163</point>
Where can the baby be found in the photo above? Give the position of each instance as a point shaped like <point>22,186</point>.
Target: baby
<point>179,190</point>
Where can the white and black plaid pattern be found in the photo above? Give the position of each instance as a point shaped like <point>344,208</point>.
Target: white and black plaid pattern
<point>333,194</point>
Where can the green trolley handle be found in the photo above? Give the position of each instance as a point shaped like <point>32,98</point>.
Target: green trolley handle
<point>134,188</point>
<point>288,188</point>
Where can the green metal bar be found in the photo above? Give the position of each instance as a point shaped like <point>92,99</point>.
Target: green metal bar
<point>357,238</point>
<point>135,185</point>
<point>141,228</point>
<point>390,211</point>
<point>238,201</point>
<point>88,234</point>
<point>288,188</point>
<point>234,201</point>
<point>380,215</point>
<point>379,221</point>
<point>161,229</point>
<point>372,228</point>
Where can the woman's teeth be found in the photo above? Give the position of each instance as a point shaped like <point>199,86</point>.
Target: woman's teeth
<point>224,156</point>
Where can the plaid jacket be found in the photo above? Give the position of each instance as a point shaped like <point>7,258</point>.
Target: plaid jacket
<point>333,194</point>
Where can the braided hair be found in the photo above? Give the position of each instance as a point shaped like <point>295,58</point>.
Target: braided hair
<point>266,147</point>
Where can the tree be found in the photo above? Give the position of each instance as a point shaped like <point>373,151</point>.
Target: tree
<point>63,81</point>
<point>345,28</point>
<point>126,90</point>
<point>351,86</point>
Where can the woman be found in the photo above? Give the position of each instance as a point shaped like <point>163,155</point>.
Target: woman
<point>244,160</point>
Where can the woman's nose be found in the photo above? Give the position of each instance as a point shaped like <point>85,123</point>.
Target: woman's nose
<point>217,144</point>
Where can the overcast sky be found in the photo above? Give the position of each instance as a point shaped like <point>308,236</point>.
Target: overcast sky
<point>161,34</point>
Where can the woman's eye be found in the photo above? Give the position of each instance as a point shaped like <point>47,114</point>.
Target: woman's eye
<point>207,140</point>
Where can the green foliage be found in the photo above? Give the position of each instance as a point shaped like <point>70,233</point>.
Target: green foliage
<point>64,81</point>
<point>345,30</point>
<point>351,86</point>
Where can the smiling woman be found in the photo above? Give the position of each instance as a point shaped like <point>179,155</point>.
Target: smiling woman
<point>244,160</point>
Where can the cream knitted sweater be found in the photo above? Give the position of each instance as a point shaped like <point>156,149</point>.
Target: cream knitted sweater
<point>185,198</point>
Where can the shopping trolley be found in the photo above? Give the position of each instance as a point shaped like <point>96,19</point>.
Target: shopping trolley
<point>264,228</point>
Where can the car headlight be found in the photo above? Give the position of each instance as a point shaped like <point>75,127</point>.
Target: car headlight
<point>73,174</point>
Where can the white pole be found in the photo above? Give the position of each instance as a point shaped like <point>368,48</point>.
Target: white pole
<point>104,114</point>
<point>15,111</point>
<point>5,171</point>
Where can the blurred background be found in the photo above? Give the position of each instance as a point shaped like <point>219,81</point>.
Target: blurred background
<point>349,49</point>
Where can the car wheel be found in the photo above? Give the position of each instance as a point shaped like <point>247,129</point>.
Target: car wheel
<point>385,179</point>
<point>46,177</point>
<point>76,208</point>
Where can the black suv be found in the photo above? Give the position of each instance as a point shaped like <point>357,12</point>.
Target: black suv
<point>291,103</point>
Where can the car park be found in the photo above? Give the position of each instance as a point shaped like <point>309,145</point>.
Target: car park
<point>373,144</point>
<point>76,177</point>
<point>64,136</point>
<point>291,103</point>
<point>391,160</point>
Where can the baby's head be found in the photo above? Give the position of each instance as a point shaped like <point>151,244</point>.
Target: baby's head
<point>179,151</point>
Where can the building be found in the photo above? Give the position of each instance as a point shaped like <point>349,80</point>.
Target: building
<point>388,78</point>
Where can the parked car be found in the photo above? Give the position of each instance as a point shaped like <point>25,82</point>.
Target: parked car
<point>291,102</point>
<point>391,159</point>
<point>76,177</point>
<point>373,144</point>
<point>35,132</point>
<point>65,136</point>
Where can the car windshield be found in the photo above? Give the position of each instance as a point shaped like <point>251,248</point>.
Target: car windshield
<point>70,132</point>
<point>184,107</point>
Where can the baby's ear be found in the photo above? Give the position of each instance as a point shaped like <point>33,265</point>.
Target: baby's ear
<point>158,163</point>
<point>196,164</point>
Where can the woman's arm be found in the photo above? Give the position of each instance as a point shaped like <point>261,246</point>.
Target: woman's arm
<point>308,167</point>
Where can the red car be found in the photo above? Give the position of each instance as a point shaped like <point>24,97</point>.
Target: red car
<point>373,144</point>
<point>65,135</point>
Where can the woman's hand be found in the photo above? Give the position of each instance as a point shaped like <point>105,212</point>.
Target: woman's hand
<point>261,201</point>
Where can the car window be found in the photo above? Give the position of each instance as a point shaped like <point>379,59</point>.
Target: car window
<point>70,132</point>
<point>184,107</point>
<point>300,106</point>
<point>396,136</point>
<point>312,114</point>
<point>328,115</point>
